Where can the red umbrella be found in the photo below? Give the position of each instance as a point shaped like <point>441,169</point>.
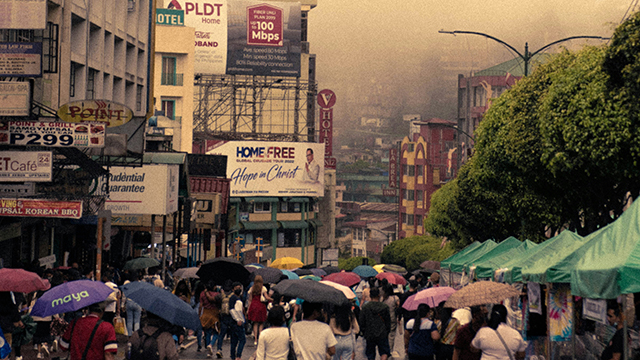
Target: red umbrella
<point>19,280</point>
<point>343,278</point>
<point>392,278</point>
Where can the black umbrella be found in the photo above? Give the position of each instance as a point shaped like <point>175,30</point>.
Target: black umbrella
<point>140,263</point>
<point>331,269</point>
<point>269,275</point>
<point>219,270</point>
<point>311,291</point>
<point>303,272</point>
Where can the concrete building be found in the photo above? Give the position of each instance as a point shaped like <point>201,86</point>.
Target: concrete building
<point>427,160</point>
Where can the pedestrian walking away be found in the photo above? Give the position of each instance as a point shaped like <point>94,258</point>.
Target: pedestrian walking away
<point>274,341</point>
<point>209,316</point>
<point>90,337</point>
<point>238,336</point>
<point>420,335</point>
<point>225,316</point>
<point>375,322</point>
<point>344,325</point>
<point>257,313</point>
<point>154,341</point>
<point>498,340</point>
<point>312,338</point>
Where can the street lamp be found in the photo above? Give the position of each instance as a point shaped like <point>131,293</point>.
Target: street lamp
<point>527,55</point>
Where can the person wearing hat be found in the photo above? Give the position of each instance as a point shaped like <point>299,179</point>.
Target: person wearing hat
<point>90,337</point>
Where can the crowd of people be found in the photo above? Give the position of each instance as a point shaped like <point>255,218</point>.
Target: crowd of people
<point>274,322</point>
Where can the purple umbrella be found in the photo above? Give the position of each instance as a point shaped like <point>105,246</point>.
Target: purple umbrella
<point>70,296</point>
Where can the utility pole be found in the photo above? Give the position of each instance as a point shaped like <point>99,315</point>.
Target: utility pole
<point>527,56</point>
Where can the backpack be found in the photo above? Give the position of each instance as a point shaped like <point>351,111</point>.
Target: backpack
<point>224,307</point>
<point>148,349</point>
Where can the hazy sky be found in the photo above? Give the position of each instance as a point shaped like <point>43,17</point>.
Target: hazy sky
<point>389,55</point>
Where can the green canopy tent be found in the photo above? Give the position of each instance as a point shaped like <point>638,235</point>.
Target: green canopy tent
<point>451,267</point>
<point>487,268</point>
<point>504,246</point>
<point>445,263</point>
<point>556,244</point>
<point>457,265</point>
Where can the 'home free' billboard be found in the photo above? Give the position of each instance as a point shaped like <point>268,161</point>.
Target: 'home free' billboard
<point>264,168</point>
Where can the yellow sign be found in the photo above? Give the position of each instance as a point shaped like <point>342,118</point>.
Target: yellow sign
<point>111,113</point>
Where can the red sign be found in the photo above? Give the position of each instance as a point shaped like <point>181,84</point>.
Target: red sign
<point>326,130</point>
<point>389,192</point>
<point>326,99</point>
<point>330,163</point>
<point>393,168</point>
<point>41,208</point>
<point>264,25</point>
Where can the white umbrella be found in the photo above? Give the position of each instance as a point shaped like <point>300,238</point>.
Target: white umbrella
<point>345,290</point>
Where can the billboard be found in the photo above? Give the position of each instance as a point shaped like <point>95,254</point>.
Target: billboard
<point>41,208</point>
<point>52,134</point>
<point>21,59</point>
<point>25,166</point>
<point>264,39</point>
<point>16,98</point>
<point>209,18</point>
<point>105,111</point>
<point>150,190</point>
<point>261,168</point>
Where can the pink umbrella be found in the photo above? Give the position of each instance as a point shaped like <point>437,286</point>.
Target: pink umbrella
<point>431,296</point>
<point>392,278</point>
<point>19,280</point>
<point>343,278</point>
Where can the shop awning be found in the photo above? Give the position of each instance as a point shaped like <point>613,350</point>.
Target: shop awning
<point>315,222</point>
<point>261,199</point>
<point>300,224</point>
<point>259,225</point>
<point>298,199</point>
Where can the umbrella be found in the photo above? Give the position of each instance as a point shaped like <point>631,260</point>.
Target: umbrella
<point>311,277</point>
<point>269,275</point>
<point>365,271</point>
<point>431,296</point>
<point>220,270</point>
<point>378,267</point>
<point>254,265</point>
<point>312,291</point>
<point>394,268</point>
<point>392,278</point>
<point>70,296</point>
<point>331,269</point>
<point>303,272</point>
<point>480,293</point>
<point>343,278</point>
<point>19,280</point>
<point>185,273</point>
<point>287,263</point>
<point>430,265</point>
<point>345,290</point>
<point>290,274</point>
<point>318,272</point>
<point>140,263</point>
<point>162,303</point>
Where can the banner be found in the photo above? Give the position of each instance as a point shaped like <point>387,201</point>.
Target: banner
<point>54,134</point>
<point>21,59</point>
<point>16,98</point>
<point>560,311</point>
<point>595,309</point>
<point>41,208</point>
<point>25,166</point>
<point>265,168</point>
<point>264,39</point>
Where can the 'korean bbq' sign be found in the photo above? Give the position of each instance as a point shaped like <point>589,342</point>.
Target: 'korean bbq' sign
<point>54,134</point>
<point>104,111</point>
<point>25,166</point>
<point>41,208</point>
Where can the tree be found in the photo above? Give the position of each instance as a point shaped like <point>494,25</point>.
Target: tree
<point>350,264</point>
<point>410,252</point>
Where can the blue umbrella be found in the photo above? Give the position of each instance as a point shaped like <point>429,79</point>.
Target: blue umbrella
<point>162,303</point>
<point>290,274</point>
<point>365,271</point>
<point>70,296</point>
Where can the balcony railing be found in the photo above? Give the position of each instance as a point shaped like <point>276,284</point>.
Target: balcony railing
<point>172,79</point>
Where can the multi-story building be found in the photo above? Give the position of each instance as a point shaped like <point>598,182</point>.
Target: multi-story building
<point>427,160</point>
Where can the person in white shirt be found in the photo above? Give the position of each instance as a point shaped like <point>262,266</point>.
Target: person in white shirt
<point>497,341</point>
<point>312,339</point>
<point>273,343</point>
<point>311,167</point>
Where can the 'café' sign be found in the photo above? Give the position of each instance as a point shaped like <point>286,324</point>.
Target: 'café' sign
<point>110,113</point>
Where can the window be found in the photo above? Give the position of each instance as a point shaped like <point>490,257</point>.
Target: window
<point>139,98</point>
<point>419,170</point>
<point>419,195</point>
<point>291,238</point>
<point>411,147</point>
<point>404,218</point>
<point>262,207</point>
<point>50,48</point>
<point>405,169</point>
<point>290,207</point>
<point>168,71</point>
<point>419,220</point>
<point>72,80</point>
<point>411,194</point>
<point>168,107</point>
<point>412,170</point>
<point>404,194</point>
<point>91,83</point>
<point>410,219</point>
<point>246,207</point>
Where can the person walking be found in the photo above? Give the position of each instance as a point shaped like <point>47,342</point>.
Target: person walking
<point>112,301</point>
<point>159,329</point>
<point>466,333</point>
<point>344,325</point>
<point>257,313</point>
<point>274,341</point>
<point>498,340</point>
<point>393,302</point>
<point>90,337</point>
<point>238,336</point>
<point>375,322</point>
<point>133,310</point>
<point>225,315</point>
<point>209,316</point>
<point>447,327</point>
<point>420,335</point>
<point>312,338</point>
<point>615,347</point>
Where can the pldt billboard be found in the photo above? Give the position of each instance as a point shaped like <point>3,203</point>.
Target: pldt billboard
<point>264,38</point>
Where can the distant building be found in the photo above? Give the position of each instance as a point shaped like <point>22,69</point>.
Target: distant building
<point>367,227</point>
<point>427,160</point>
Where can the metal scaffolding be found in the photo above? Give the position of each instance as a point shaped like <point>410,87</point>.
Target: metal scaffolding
<point>235,107</point>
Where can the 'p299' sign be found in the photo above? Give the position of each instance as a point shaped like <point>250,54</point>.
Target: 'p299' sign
<point>53,134</point>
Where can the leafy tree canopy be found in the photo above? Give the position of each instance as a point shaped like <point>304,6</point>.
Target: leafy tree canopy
<point>351,263</point>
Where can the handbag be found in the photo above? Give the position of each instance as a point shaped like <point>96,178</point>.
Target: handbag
<point>209,318</point>
<point>292,353</point>
<point>120,325</point>
<point>505,345</point>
